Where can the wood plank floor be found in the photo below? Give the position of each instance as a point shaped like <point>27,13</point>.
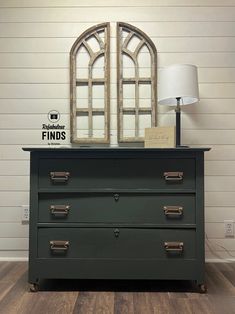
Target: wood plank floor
<point>119,297</point>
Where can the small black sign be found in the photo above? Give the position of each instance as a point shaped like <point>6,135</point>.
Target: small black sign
<point>53,133</point>
<point>53,116</point>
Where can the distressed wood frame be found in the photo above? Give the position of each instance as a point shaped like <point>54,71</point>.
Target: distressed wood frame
<point>137,110</point>
<point>74,82</point>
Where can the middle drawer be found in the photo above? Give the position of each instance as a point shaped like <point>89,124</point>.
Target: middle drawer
<point>117,208</point>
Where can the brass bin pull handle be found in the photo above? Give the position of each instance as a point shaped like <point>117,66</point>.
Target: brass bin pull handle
<point>59,176</point>
<point>61,246</point>
<point>173,210</point>
<point>174,247</point>
<point>59,209</point>
<point>174,176</point>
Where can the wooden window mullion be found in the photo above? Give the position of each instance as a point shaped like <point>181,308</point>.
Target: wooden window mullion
<point>104,44</point>
<point>137,122</point>
<point>90,122</point>
<point>119,85</point>
<point>123,49</point>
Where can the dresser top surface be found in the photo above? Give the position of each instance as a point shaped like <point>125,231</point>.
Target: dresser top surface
<point>116,149</point>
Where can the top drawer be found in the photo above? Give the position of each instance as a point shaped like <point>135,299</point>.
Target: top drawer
<point>123,173</point>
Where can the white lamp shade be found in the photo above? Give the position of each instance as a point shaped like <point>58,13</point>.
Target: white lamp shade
<point>178,80</point>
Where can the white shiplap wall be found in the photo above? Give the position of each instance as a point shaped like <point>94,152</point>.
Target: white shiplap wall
<point>35,39</point>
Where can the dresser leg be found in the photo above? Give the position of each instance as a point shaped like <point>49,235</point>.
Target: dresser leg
<point>202,288</point>
<point>33,287</point>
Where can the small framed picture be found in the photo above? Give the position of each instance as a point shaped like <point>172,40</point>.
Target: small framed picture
<point>161,137</point>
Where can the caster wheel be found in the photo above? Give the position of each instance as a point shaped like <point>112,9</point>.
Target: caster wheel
<point>202,288</point>
<point>33,287</point>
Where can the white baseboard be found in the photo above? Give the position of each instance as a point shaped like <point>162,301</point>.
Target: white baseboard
<point>13,259</point>
<point>220,260</point>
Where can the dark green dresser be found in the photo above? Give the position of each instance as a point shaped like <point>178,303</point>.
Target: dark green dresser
<point>117,213</point>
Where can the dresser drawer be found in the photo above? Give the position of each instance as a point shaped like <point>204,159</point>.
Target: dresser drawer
<point>117,208</point>
<point>121,243</point>
<point>123,173</point>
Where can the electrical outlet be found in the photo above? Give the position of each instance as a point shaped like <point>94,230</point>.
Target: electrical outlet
<point>228,228</point>
<point>25,213</point>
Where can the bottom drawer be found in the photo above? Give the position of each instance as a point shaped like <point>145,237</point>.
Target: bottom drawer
<point>116,243</point>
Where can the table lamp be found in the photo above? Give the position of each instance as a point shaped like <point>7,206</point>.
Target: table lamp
<point>178,85</point>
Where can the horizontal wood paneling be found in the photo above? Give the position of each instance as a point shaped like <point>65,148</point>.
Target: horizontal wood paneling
<point>14,244</point>
<point>219,214</point>
<point>221,168</point>
<point>14,182</point>
<point>14,167</point>
<point>34,60</point>
<point>220,152</point>
<point>13,230</point>
<point>14,255</point>
<point>31,106</point>
<point>189,121</point>
<point>30,121</point>
<point>11,214</point>
<point>220,183</point>
<point>34,76</point>
<point>220,256</point>
<point>61,76</point>
<point>216,231</point>
<point>200,121</point>
<point>39,122</point>
<point>216,106</point>
<point>15,152</point>
<point>217,90</point>
<point>201,59</point>
<point>13,199</point>
<point>61,60</point>
<point>220,199</point>
<point>179,44</point>
<point>130,14</point>
<point>153,29</point>
<point>43,106</point>
<point>113,3</point>
<point>34,91</point>
<point>207,137</point>
<point>222,245</point>
<point>12,152</point>
<point>216,75</point>
<point>62,90</point>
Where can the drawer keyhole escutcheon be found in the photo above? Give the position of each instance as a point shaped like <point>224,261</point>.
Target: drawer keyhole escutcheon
<point>116,197</point>
<point>116,232</point>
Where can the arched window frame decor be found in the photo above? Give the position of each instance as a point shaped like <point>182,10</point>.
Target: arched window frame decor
<point>90,81</point>
<point>152,80</point>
